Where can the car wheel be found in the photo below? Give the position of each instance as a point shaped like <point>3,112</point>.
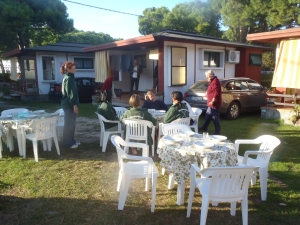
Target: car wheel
<point>233,111</point>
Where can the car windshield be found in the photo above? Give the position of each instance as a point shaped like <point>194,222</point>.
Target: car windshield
<point>201,86</point>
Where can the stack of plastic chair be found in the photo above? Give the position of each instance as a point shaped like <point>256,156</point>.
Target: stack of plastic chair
<point>40,130</point>
<point>104,134</point>
<point>120,111</point>
<point>12,132</point>
<point>137,130</point>
<point>197,112</point>
<point>135,167</point>
<point>221,184</point>
<point>60,123</point>
<point>267,145</point>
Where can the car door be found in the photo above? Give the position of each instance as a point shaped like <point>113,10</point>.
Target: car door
<point>257,95</point>
<point>242,93</point>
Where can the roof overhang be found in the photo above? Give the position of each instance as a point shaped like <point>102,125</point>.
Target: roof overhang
<point>12,53</point>
<point>138,42</point>
<point>275,36</point>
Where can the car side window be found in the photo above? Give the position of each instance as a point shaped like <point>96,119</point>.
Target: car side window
<point>242,85</point>
<point>254,85</point>
<point>230,86</point>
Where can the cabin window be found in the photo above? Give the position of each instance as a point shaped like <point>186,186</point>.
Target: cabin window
<point>255,60</point>
<point>84,63</point>
<point>48,68</point>
<point>211,59</point>
<point>178,66</point>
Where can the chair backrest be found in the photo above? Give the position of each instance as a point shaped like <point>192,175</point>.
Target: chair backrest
<point>185,121</point>
<point>120,111</point>
<point>9,112</point>
<point>61,118</point>
<point>197,111</point>
<point>268,144</point>
<point>44,128</point>
<point>137,129</point>
<point>227,182</point>
<point>174,128</point>
<point>119,143</point>
<point>101,121</point>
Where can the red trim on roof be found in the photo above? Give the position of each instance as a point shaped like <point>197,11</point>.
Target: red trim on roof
<point>137,40</point>
<point>11,53</point>
<point>275,36</point>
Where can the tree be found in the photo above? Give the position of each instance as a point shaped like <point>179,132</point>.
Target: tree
<point>24,22</point>
<point>197,17</point>
<point>89,37</point>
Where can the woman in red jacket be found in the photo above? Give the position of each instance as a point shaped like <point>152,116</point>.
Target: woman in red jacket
<point>214,101</point>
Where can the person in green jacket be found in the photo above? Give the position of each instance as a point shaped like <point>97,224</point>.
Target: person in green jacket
<point>69,104</point>
<point>106,110</point>
<point>178,109</point>
<point>138,113</point>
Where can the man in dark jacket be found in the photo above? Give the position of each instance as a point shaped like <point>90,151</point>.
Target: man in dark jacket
<point>135,71</point>
<point>214,102</point>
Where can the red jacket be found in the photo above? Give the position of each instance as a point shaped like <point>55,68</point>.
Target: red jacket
<point>107,84</point>
<point>214,91</point>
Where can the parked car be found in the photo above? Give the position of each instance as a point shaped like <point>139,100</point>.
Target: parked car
<point>86,88</point>
<point>239,94</point>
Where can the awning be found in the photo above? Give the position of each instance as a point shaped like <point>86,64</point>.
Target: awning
<point>102,68</point>
<point>287,70</point>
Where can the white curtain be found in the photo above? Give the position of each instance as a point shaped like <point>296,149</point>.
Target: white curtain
<point>102,68</point>
<point>287,70</point>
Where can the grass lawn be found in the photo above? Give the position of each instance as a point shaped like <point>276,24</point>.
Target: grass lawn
<point>79,186</point>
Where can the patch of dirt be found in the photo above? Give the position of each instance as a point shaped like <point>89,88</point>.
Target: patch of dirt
<point>87,130</point>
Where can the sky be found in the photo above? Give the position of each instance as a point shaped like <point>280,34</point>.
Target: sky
<point>115,24</point>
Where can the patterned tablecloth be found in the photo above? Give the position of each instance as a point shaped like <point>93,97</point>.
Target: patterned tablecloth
<point>177,156</point>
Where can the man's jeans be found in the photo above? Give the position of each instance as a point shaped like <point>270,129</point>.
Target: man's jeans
<point>134,82</point>
<point>212,114</point>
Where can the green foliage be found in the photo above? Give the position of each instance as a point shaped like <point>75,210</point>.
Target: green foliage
<point>268,60</point>
<point>25,22</point>
<point>197,17</point>
<point>89,37</point>
<point>5,77</point>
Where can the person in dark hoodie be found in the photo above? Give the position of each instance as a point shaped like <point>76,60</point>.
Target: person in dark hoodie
<point>106,110</point>
<point>178,109</point>
<point>69,103</point>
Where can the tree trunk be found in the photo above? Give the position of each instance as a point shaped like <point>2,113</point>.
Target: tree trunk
<point>2,66</point>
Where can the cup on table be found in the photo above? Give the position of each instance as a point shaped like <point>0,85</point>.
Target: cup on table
<point>205,136</point>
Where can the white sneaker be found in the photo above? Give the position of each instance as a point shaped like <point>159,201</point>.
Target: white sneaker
<point>74,146</point>
<point>77,143</point>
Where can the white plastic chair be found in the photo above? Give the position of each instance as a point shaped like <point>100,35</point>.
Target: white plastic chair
<point>143,167</point>
<point>226,184</point>
<point>137,130</point>
<point>12,132</point>
<point>197,112</point>
<point>185,121</point>
<point>268,144</point>
<point>120,111</point>
<point>104,134</point>
<point>43,130</point>
<point>60,123</point>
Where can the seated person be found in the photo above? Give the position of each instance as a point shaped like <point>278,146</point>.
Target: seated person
<point>178,109</point>
<point>138,113</point>
<point>106,110</point>
<point>152,103</point>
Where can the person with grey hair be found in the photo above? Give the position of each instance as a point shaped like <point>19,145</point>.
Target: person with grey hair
<point>135,71</point>
<point>214,102</point>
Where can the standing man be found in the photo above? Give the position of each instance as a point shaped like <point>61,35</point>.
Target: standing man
<point>135,71</point>
<point>214,101</point>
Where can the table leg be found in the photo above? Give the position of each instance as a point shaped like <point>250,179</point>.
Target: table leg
<point>180,194</point>
<point>20,141</point>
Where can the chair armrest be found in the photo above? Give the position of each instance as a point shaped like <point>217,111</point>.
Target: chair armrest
<point>244,141</point>
<point>247,153</point>
<point>137,158</point>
